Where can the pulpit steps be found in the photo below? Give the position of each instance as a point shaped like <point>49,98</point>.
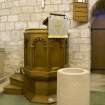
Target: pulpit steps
<point>16,85</point>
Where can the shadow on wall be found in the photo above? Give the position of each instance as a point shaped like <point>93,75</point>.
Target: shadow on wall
<point>2,65</point>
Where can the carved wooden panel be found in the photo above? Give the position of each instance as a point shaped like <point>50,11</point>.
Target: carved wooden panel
<point>57,52</point>
<point>41,52</point>
<point>33,42</point>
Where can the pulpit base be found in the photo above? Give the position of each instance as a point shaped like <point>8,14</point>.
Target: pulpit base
<point>41,99</point>
<point>40,91</point>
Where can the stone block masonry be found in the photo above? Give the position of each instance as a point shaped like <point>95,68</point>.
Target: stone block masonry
<point>15,17</point>
<point>18,15</point>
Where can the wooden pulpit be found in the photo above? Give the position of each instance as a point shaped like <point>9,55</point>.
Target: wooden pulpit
<point>43,56</point>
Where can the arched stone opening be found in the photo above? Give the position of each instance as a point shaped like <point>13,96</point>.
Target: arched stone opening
<point>98,36</point>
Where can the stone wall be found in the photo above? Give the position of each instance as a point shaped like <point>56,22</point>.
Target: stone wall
<point>79,47</point>
<point>17,15</point>
<point>2,64</point>
<point>80,42</point>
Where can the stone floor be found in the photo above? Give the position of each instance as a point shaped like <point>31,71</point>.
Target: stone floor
<point>97,93</point>
<point>98,82</point>
<point>97,88</point>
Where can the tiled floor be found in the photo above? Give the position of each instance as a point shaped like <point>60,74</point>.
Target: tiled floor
<point>97,98</point>
<point>98,82</point>
<point>97,93</point>
<point>98,88</point>
<point>16,100</point>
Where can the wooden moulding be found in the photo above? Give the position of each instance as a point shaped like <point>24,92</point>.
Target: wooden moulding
<point>81,19</point>
<point>37,31</point>
<point>80,12</point>
<point>41,75</point>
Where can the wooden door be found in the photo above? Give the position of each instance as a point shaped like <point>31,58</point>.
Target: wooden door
<point>98,44</point>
